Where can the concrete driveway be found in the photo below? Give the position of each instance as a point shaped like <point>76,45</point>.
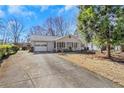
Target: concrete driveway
<point>47,70</point>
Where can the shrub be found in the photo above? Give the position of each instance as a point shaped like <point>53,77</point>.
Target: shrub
<point>15,48</point>
<point>6,50</point>
<point>31,49</point>
<point>24,48</point>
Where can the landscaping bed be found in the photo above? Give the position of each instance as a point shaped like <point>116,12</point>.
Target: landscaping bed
<point>98,63</point>
<point>6,50</point>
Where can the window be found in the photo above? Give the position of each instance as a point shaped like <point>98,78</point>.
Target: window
<point>63,44</point>
<point>70,44</point>
<point>58,44</point>
<point>75,45</point>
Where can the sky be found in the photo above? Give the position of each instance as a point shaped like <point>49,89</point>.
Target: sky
<point>36,15</point>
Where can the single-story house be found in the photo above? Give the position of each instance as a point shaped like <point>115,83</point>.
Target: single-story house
<point>55,43</point>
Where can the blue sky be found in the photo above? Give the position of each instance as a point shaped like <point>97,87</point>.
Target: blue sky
<point>36,15</point>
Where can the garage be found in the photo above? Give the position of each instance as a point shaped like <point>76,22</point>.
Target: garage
<point>40,47</point>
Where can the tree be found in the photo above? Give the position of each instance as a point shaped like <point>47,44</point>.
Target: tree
<point>15,28</point>
<point>3,31</point>
<point>62,27</point>
<point>98,23</point>
<point>37,30</point>
<point>48,26</point>
<point>86,21</point>
<point>119,28</point>
<point>57,26</point>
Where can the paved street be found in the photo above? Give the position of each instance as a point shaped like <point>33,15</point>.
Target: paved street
<point>47,70</point>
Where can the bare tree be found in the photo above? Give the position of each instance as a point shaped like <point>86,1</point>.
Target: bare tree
<point>57,26</point>
<point>37,30</point>
<point>53,26</point>
<point>63,26</point>
<point>3,31</point>
<point>49,26</point>
<point>15,27</point>
<point>60,26</point>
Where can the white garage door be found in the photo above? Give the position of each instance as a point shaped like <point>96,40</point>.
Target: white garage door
<point>40,47</point>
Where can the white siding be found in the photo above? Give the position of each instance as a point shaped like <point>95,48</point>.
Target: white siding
<point>50,46</point>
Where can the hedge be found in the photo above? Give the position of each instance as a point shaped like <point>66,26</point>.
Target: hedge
<point>6,50</point>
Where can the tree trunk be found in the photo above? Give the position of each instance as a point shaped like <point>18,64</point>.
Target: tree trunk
<point>101,50</point>
<point>122,48</point>
<point>109,51</point>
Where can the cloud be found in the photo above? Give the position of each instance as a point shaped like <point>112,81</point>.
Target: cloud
<point>66,8</point>
<point>2,14</point>
<point>15,9</point>
<point>20,10</point>
<point>44,7</point>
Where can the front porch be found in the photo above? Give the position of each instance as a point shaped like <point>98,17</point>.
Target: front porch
<point>63,46</point>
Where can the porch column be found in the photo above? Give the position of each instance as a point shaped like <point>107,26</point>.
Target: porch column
<point>65,44</point>
<point>56,46</point>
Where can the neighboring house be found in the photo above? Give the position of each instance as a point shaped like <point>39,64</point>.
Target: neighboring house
<point>55,43</point>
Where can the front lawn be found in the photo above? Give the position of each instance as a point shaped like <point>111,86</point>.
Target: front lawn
<point>112,69</point>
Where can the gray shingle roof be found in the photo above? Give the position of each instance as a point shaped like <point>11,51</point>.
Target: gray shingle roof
<point>43,38</point>
<point>49,38</point>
